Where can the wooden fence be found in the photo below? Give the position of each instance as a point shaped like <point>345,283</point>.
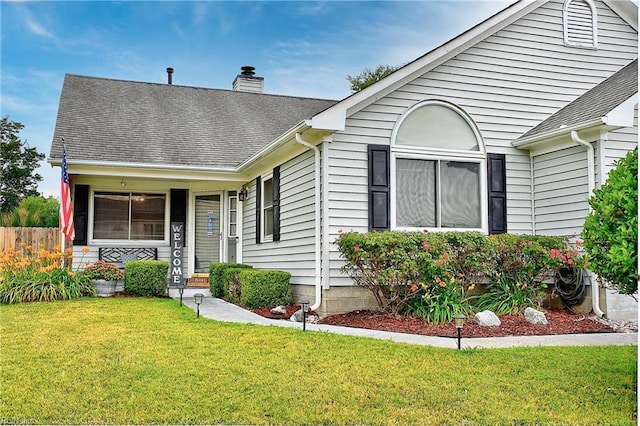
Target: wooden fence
<point>45,238</point>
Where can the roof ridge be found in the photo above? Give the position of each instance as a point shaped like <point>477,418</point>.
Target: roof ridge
<point>197,87</point>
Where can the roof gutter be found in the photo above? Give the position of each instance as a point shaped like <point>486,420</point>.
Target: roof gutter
<point>58,162</point>
<point>591,170</point>
<point>318,234</point>
<point>529,142</point>
<point>282,140</point>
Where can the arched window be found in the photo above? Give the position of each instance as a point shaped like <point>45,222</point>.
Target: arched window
<point>438,163</point>
<point>580,23</point>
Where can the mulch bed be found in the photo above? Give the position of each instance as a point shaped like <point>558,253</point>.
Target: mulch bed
<point>266,312</point>
<point>559,322</point>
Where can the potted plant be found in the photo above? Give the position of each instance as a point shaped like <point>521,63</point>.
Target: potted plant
<point>104,276</point>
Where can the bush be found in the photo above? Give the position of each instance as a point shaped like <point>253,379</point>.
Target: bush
<point>216,276</point>
<point>28,275</point>
<point>101,270</point>
<point>430,274</point>
<point>146,277</point>
<point>611,230</point>
<point>231,288</point>
<point>263,289</point>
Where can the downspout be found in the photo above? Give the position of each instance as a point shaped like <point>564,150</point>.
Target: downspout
<point>591,171</point>
<point>533,195</point>
<point>318,236</point>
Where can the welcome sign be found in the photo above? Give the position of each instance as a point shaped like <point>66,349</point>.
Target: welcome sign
<point>177,243</point>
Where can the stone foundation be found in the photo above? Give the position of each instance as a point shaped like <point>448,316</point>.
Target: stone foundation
<point>336,300</point>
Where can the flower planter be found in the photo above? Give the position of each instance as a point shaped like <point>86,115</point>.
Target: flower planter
<point>104,288</point>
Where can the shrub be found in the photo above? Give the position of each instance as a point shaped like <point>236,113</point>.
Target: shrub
<point>146,277</point>
<point>521,266</point>
<point>216,276</point>
<point>28,275</point>
<point>429,274</point>
<point>231,289</point>
<point>102,270</point>
<point>389,264</point>
<point>262,289</point>
<point>611,230</point>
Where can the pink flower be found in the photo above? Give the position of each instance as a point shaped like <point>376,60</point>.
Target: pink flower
<point>339,231</point>
<point>445,256</point>
<point>440,262</point>
<point>570,262</point>
<point>579,243</point>
<point>426,246</point>
<point>356,249</point>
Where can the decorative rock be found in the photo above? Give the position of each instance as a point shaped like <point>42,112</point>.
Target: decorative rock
<point>297,316</point>
<point>279,310</point>
<point>487,319</point>
<point>535,317</point>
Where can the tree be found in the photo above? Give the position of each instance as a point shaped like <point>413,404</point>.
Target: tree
<point>17,163</point>
<point>611,230</point>
<point>368,77</point>
<point>33,211</point>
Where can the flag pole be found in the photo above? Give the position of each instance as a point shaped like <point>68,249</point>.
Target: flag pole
<point>66,208</point>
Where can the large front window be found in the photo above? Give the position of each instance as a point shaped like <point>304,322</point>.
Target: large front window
<point>439,169</point>
<point>128,216</point>
<point>437,194</point>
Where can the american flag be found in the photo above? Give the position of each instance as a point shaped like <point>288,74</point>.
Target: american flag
<point>66,209</point>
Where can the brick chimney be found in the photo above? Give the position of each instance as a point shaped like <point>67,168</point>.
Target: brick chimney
<point>247,81</point>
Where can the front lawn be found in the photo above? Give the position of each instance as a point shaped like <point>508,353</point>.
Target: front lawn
<point>144,361</point>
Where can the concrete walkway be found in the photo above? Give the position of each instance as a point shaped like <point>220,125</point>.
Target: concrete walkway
<point>219,310</point>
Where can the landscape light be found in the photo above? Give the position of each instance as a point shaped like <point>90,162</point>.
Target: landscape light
<point>459,322</point>
<point>198,299</point>
<point>304,304</point>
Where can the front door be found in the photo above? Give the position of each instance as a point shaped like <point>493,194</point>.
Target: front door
<point>207,232</point>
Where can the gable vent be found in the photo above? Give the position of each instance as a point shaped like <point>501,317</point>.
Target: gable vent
<point>580,23</point>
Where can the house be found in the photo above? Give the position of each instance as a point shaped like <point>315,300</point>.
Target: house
<point>506,128</point>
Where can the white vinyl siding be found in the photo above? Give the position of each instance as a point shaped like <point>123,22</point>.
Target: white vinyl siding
<point>507,83</point>
<point>619,142</point>
<point>561,190</point>
<point>294,252</point>
<point>580,23</point>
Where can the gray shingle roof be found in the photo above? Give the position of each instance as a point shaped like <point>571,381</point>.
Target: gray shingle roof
<point>595,103</point>
<point>109,120</point>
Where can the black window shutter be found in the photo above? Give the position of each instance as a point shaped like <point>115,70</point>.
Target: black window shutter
<point>80,213</point>
<point>497,187</point>
<point>258,208</point>
<point>178,209</point>
<point>276,203</point>
<point>379,183</point>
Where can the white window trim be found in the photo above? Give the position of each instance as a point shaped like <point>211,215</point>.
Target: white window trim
<point>128,243</point>
<point>420,153</point>
<point>594,25</point>
<point>263,236</point>
<point>484,213</point>
<point>459,111</point>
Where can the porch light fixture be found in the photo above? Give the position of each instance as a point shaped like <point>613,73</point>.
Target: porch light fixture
<point>198,299</point>
<point>304,304</point>
<point>123,183</point>
<point>459,322</point>
<point>181,290</point>
<point>243,194</point>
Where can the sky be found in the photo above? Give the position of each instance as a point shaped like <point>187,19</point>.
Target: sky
<point>300,48</point>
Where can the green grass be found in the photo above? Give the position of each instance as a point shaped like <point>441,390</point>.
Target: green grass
<point>143,361</point>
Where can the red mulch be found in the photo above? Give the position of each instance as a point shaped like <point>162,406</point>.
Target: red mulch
<point>560,322</point>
